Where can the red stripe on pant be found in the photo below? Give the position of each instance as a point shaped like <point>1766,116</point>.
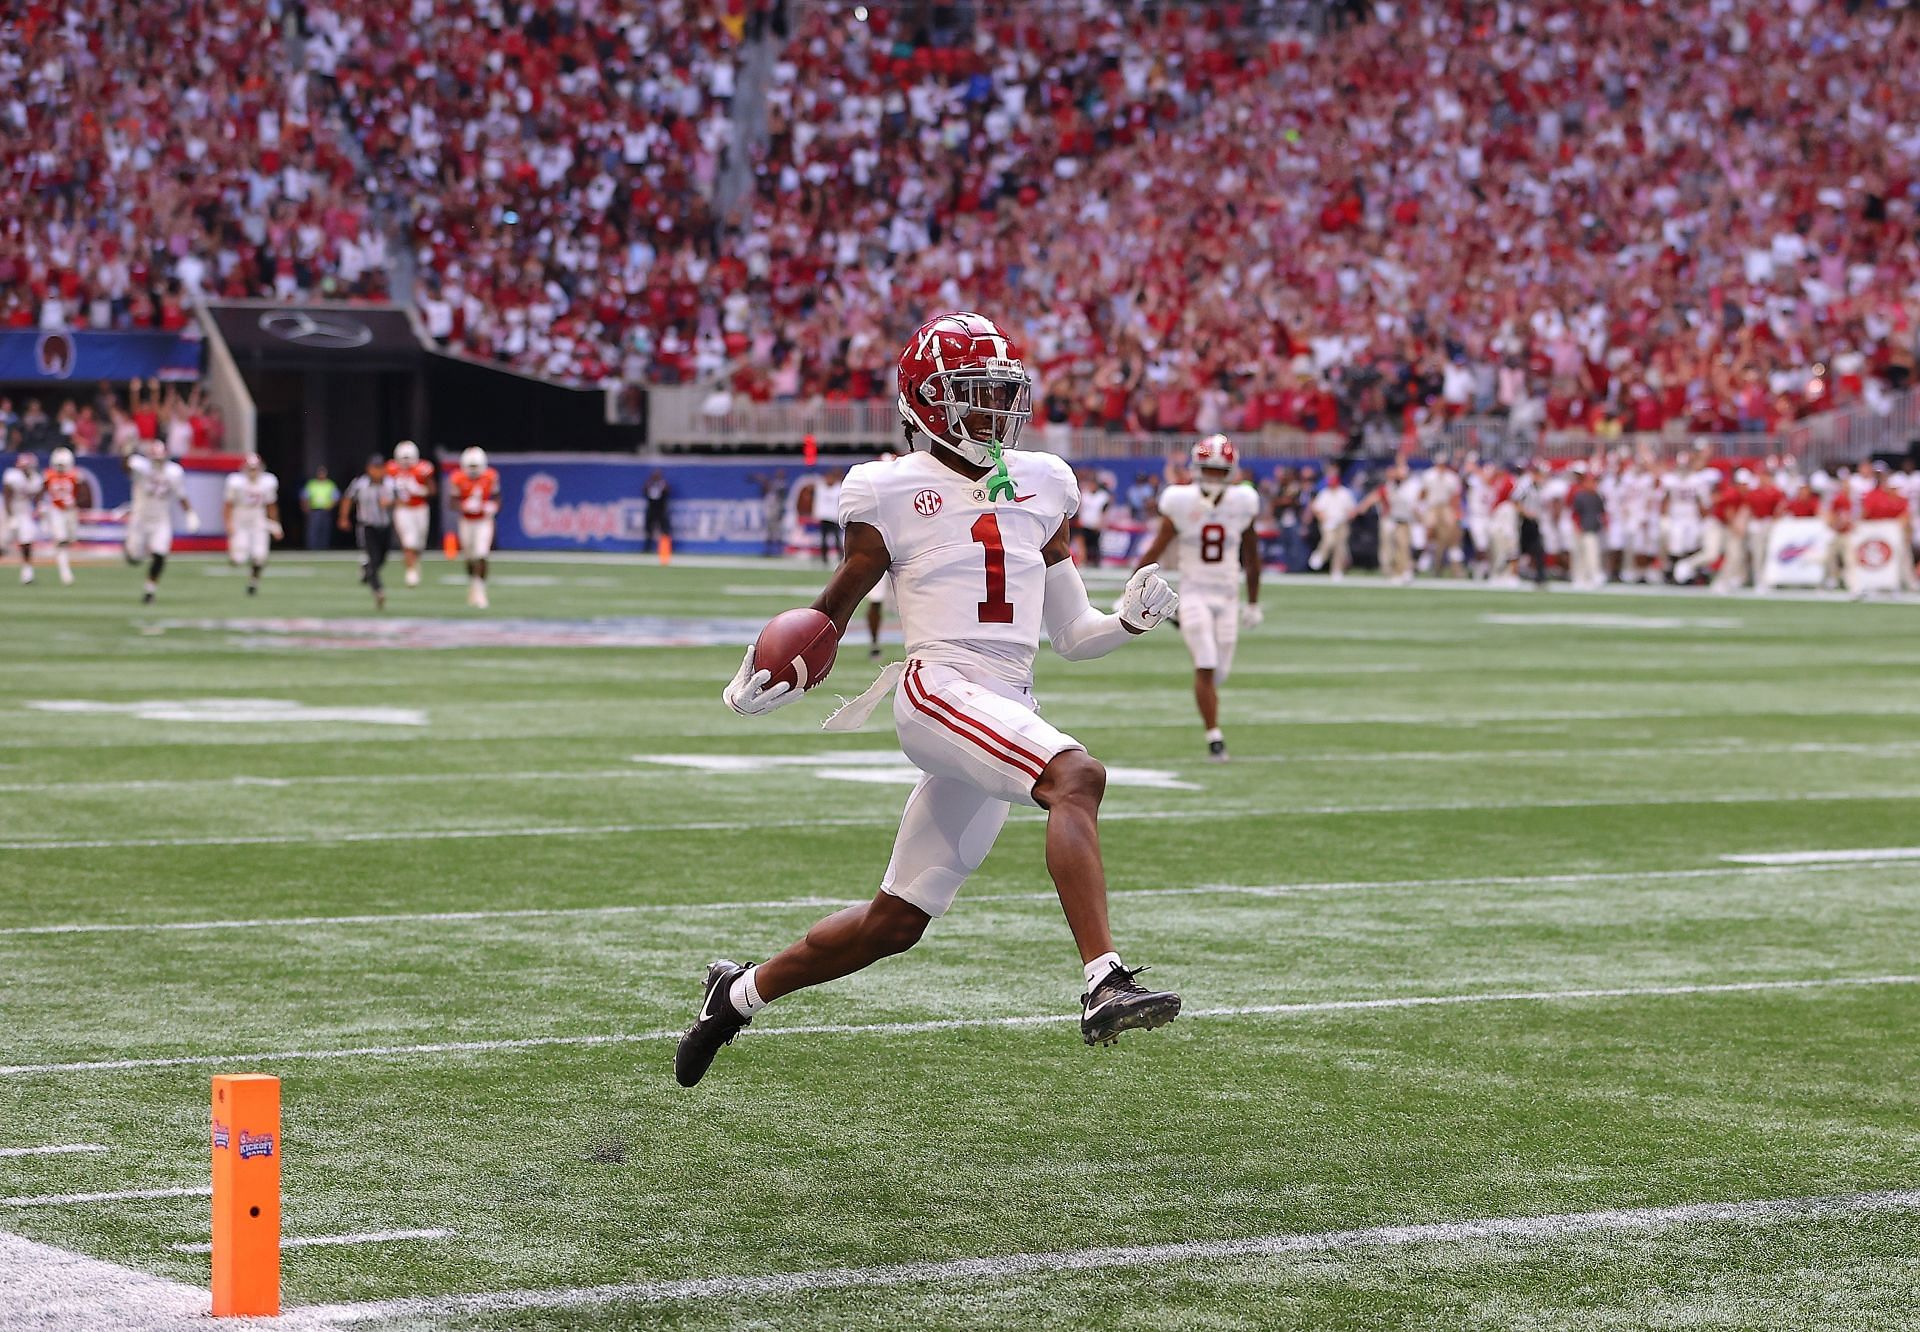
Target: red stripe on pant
<point>1001,749</point>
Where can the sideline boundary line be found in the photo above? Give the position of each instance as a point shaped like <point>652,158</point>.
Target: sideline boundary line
<point>943,1024</point>
<point>1485,1230</point>
<point>335,1241</point>
<point>116,1195</point>
<point>795,903</point>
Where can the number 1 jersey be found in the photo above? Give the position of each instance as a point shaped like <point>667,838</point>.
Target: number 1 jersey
<point>968,574</point>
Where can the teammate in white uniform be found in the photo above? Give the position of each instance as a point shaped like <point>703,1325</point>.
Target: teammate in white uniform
<point>22,486</point>
<point>66,493</point>
<point>1210,521</point>
<point>252,508</point>
<point>159,483</point>
<point>975,534</point>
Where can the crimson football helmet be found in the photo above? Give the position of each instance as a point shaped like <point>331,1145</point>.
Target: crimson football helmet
<point>1213,462</point>
<point>962,384</point>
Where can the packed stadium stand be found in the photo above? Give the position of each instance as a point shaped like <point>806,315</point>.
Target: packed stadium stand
<point>1421,209</point>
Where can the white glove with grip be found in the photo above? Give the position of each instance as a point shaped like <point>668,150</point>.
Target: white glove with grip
<point>1147,599</point>
<point>275,531</point>
<point>748,694</point>
<point>1251,615</point>
<point>193,521</point>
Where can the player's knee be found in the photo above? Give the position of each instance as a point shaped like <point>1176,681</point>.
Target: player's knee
<point>1074,776</point>
<point>893,926</point>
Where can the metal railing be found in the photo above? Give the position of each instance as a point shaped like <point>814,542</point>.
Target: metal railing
<point>709,420</point>
<point>1850,434</point>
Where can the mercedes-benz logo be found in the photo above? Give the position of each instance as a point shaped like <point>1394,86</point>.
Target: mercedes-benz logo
<point>332,332</point>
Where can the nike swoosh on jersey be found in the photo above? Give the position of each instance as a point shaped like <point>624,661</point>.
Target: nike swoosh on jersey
<point>1021,499</point>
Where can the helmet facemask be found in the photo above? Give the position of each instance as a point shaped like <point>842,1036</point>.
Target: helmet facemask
<point>1213,481</point>
<point>986,408</point>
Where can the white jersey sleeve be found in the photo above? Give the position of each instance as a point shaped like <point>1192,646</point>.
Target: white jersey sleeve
<point>969,574</point>
<point>1208,535</point>
<point>20,492</point>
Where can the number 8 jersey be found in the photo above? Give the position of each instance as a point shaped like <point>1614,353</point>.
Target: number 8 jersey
<point>968,574</point>
<point>1208,533</point>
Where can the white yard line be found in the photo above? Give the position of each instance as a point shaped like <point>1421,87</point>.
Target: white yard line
<point>118,1195</point>
<point>45,1289</point>
<point>333,1241</point>
<point>62,1149</point>
<point>1817,859</point>
<point>448,779</point>
<point>948,1024</point>
<point>1489,1230</point>
<point>1714,749</point>
<point>888,820</point>
<point>815,903</point>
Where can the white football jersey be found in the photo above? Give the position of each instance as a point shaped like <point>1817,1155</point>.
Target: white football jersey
<point>968,575</point>
<point>1207,535</point>
<point>156,485</point>
<point>23,491</point>
<point>250,496</point>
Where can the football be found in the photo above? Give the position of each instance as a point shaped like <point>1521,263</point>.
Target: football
<point>798,646</point>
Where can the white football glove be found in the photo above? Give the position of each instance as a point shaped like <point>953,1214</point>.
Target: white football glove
<point>1147,599</point>
<point>275,531</point>
<point>193,521</point>
<point>748,695</point>
<point>1251,615</point>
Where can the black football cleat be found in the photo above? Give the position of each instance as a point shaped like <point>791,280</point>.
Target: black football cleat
<point>1216,751</point>
<point>719,1022</point>
<point>1119,1003</point>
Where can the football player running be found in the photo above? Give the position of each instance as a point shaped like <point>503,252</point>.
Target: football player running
<point>252,511</point>
<point>975,534</point>
<point>67,493</point>
<point>158,484</point>
<point>476,492</point>
<point>1211,519</point>
<point>21,486</point>
<point>415,484</point>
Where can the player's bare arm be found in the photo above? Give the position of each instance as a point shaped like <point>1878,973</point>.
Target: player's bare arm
<point>863,564</point>
<point>1162,538</point>
<point>1250,563</point>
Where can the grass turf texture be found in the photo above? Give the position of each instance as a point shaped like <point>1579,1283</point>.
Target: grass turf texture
<point>1387,743</point>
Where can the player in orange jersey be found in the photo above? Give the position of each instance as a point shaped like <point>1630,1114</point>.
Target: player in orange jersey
<point>67,493</point>
<point>415,485</point>
<point>476,491</point>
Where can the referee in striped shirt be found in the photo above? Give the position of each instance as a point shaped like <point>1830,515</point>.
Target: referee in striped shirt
<point>369,502</point>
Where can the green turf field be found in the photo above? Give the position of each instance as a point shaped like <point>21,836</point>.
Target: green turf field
<point>1461,948</point>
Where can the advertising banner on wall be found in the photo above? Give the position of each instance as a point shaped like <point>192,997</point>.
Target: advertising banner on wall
<point>594,502</point>
<point>42,355</point>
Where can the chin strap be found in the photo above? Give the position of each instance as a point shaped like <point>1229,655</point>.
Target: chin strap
<point>999,484</point>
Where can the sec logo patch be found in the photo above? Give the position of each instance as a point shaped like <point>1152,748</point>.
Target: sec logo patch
<point>927,503</point>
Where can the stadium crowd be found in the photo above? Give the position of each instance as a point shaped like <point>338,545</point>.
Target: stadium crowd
<point>1442,210</point>
<point>149,151</point>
